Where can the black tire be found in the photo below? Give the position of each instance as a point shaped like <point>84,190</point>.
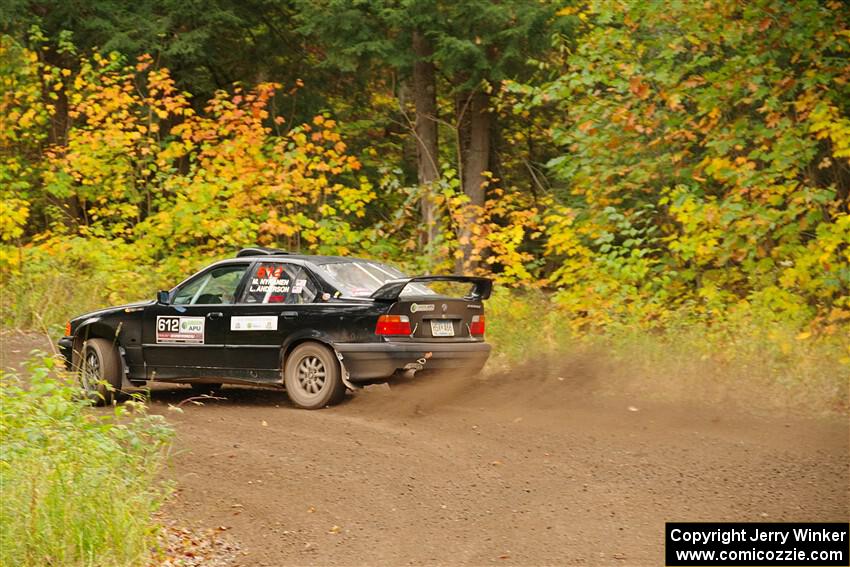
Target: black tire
<point>199,389</point>
<point>312,376</point>
<point>99,371</point>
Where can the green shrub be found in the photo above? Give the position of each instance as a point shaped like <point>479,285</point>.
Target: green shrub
<point>523,324</point>
<point>79,485</point>
<point>47,284</point>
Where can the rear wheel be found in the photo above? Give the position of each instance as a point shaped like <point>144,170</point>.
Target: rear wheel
<point>99,371</point>
<point>312,376</point>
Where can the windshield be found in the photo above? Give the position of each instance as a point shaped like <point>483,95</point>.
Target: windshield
<point>362,279</point>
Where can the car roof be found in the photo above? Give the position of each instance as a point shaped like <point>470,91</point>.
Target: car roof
<point>297,258</point>
<point>265,252</point>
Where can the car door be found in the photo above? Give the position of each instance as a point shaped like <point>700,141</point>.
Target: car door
<point>278,300</point>
<point>186,337</point>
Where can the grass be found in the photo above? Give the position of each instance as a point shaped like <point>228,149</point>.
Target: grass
<point>740,365</point>
<point>45,288</point>
<point>744,361</point>
<point>79,486</point>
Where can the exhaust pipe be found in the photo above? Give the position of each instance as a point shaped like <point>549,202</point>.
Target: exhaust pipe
<point>411,368</point>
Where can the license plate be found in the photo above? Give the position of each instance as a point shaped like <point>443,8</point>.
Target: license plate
<point>442,328</point>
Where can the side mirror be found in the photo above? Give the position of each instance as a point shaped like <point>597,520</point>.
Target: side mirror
<point>162,297</point>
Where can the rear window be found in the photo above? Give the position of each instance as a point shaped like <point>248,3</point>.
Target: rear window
<point>362,279</point>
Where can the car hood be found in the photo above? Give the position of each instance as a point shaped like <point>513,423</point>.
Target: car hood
<point>110,310</point>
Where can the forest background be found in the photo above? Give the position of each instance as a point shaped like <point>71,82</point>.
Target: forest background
<point>665,181</point>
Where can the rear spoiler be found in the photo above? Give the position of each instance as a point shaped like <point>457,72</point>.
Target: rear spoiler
<point>390,291</point>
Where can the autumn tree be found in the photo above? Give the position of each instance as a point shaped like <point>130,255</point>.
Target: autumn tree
<point>473,46</point>
<point>478,45</point>
<point>374,37</point>
<point>705,157</point>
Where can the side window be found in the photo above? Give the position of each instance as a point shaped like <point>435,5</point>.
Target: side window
<point>213,287</point>
<point>304,290</point>
<point>274,282</point>
<point>269,283</point>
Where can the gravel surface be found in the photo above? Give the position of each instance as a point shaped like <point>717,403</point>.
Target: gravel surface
<point>537,466</point>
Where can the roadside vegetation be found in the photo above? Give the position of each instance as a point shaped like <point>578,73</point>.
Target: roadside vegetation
<point>648,171</point>
<point>78,487</point>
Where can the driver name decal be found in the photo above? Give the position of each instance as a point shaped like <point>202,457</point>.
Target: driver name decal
<point>268,285</point>
<point>180,330</point>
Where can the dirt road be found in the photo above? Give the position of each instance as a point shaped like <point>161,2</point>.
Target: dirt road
<point>535,467</point>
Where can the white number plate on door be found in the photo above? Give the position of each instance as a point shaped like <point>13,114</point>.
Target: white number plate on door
<point>442,328</point>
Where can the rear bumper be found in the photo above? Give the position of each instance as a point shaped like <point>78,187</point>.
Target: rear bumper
<point>366,361</point>
<point>66,349</point>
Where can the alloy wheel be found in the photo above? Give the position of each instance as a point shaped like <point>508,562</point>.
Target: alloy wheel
<point>311,375</point>
<point>90,376</point>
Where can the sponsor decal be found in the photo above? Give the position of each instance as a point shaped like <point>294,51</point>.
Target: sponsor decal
<point>472,306</point>
<point>299,286</point>
<point>414,307</point>
<point>269,271</point>
<point>254,323</point>
<point>186,330</point>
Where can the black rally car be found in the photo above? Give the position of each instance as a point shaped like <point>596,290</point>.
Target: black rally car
<point>312,324</point>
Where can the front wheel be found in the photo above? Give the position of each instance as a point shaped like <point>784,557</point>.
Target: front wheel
<point>99,371</point>
<point>312,376</point>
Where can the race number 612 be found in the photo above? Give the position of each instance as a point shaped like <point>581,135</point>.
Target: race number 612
<point>168,324</point>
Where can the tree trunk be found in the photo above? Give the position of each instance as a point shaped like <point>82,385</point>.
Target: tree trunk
<point>476,155</point>
<point>425,129</point>
<point>478,152</point>
<point>57,135</point>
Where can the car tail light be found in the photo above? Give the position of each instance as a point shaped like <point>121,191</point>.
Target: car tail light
<point>477,325</point>
<point>393,325</point>
<point>68,329</point>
